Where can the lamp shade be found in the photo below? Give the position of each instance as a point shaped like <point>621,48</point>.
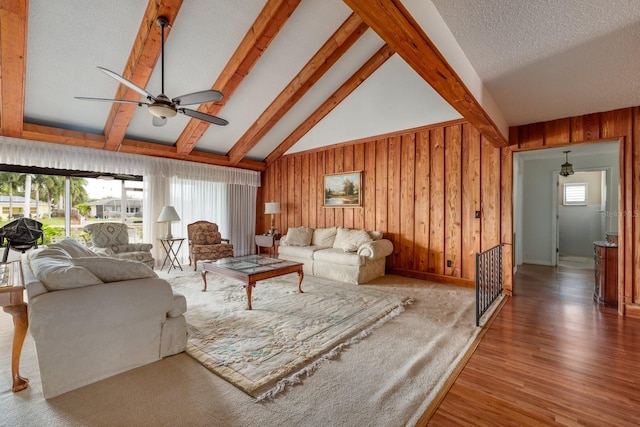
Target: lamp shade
<point>272,208</point>
<point>168,214</point>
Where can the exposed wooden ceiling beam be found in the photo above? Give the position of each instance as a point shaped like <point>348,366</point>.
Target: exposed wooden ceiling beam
<point>142,59</point>
<point>332,50</point>
<point>62,136</point>
<point>265,28</point>
<point>395,25</point>
<point>13,65</point>
<point>170,152</point>
<point>379,58</point>
<point>89,140</point>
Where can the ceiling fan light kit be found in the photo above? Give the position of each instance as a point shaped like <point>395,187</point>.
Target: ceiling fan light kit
<point>162,109</point>
<point>161,106</point>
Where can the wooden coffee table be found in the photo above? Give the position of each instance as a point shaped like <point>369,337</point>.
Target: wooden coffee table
<point>251,268</point>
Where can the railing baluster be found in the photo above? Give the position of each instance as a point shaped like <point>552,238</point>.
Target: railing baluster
<point>488,279</point>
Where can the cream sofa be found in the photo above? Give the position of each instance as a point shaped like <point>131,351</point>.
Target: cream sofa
<point>336,253</point>
<point>93,316</point>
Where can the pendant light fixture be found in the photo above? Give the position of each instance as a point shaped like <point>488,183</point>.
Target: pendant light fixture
<point>567,168</point>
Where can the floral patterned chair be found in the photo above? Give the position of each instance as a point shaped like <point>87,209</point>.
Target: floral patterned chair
<point>112,239</point>
<point>206,243</point>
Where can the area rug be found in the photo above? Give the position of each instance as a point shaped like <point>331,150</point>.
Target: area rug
<point>287,335</point>
<point>389,379</point>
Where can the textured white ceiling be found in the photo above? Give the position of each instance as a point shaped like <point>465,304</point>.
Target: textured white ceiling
<point>67,41</point>
<point>526,61</point>
<point>547,59</point>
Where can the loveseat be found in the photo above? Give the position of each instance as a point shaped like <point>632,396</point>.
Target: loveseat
<point>336,253</point>
<point>94,316</point>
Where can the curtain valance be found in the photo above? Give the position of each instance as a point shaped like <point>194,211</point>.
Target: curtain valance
<point>32,153</point>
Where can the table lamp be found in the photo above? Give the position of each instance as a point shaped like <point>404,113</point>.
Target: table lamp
<point>272,208</point>
<point>168,215</point>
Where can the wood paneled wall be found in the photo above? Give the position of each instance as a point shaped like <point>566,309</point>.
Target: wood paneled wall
<point>421,187</point>
<point>624,125</point>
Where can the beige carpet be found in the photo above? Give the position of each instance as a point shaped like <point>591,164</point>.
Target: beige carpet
<point>287,335</point>
<point>387,379</point>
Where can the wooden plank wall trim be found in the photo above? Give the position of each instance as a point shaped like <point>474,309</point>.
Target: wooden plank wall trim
<point>506,221</point>
<point>623,125</point>
<point>421,187</point>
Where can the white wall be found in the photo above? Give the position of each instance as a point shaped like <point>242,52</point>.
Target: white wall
<point>580,225</point>
<point>534,184</point>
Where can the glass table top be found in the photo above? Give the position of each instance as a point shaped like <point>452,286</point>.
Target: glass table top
<point>251,264</point>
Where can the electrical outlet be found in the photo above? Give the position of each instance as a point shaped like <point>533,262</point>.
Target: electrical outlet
<point>477,214</point>
<point>449,263</point>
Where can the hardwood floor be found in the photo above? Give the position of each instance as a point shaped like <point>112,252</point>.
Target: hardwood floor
<point>551,357</point>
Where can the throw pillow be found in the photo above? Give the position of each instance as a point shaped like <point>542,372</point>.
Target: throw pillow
<point>350,240</point>
<point>49,252</point>
<point>375,235</point>
<point>53,267</point>
<point>324,237</point>
<point>74,248</point>
<point>299,236</point>
<point>114,269</point>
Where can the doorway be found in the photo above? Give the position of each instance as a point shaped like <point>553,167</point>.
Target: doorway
<point>581,216</point>
<point>535,209</point>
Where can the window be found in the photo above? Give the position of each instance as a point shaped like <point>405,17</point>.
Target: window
<point>41,193</point>
<point>575,193</point>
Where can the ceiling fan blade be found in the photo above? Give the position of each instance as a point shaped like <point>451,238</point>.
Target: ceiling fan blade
<point>201,97</point>
<point>127,83</point>
<point>159,121</point>
<point>203,116</point>
<point>122,101</point>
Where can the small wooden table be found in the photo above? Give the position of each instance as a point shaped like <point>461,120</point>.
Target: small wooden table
<point>267,241</point>
<point>251,268</point>
<point>11,300</point>
<point>171,253</point>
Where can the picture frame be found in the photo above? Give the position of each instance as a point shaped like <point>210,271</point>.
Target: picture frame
<point>342,190</point>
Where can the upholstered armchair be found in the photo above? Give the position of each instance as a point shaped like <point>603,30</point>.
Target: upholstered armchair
<point>206,243</point>
<point>112,239</point>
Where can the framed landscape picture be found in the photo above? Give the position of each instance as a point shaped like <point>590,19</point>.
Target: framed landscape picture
<point>343,190</point>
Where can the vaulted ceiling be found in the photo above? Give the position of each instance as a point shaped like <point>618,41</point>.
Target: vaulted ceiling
<point>298,75</point>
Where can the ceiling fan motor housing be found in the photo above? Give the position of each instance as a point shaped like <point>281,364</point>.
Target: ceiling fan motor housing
<point>162,107</point>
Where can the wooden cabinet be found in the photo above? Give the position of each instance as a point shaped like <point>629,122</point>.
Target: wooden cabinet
<point>606,273</point>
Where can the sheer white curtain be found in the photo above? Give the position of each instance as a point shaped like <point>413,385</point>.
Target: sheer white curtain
<point>242,217</point>
<point>224,195</point>
<point>155,189</point>
<point>197,200</point>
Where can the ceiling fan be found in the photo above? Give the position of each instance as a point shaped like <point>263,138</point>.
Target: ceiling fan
<point>161,107</point>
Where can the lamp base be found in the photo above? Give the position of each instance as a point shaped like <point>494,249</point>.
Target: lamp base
<point>272,229</point>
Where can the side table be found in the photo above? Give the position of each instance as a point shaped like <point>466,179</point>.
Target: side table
<point>11,300</point>
<point>271,242</point>
<point>171,250</point>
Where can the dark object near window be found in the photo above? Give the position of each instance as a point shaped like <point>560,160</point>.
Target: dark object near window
<point>21,235</point>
